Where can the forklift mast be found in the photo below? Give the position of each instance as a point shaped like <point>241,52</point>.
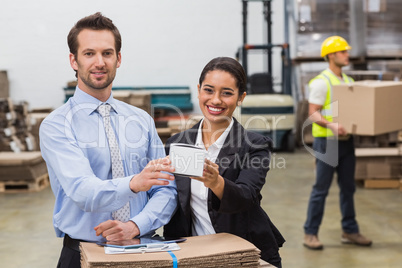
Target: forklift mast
<point>266,111</point>
<point>257,81</point>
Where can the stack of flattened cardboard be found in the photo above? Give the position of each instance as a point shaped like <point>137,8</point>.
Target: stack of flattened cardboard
<point>15,127</point>
<point>217,250</point>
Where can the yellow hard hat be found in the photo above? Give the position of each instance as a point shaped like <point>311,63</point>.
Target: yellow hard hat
<point>334,44</point>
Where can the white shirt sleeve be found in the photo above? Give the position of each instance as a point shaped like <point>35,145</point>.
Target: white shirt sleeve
<point>318,92</point>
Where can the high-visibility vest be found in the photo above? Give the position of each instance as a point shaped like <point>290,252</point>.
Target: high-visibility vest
<point>326,111</point>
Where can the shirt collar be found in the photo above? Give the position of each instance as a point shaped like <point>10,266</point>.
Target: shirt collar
<point>219,142</point>
<point>91,103</point>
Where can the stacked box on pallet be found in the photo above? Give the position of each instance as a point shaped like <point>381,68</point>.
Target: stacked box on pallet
<point>8,139</point>
<point>15,127</point>
<point>23,125</point>
<point>23,171</point>
<point>375,123</point>
<point>379,167</point>
<point>22,167</point>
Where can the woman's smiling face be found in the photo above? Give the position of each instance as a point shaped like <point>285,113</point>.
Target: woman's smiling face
<point>218,96</point>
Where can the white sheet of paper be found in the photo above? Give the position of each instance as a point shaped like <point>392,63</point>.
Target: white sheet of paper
<point>146,249</point>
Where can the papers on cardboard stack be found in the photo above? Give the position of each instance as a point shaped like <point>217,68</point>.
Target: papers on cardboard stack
<point>141,245</point>
<point>143,249</point>
<point>188,160</point>
<point>217,250</point>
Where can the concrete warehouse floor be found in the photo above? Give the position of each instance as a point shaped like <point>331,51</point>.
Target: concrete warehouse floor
<point>27,238</point>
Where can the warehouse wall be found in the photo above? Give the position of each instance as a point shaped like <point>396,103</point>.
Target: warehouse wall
<point>164,42</point>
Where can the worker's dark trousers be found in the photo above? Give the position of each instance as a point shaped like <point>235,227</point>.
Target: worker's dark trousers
<point>328,152</point>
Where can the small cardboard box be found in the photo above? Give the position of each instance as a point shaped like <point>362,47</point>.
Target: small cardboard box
<point>368,107</point>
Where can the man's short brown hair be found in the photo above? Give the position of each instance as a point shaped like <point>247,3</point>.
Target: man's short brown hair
<point>93,22</point>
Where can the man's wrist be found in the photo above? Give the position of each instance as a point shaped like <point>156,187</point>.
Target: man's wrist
<point>132,184</point>
<point>332,126</point>
<point>135,230</point>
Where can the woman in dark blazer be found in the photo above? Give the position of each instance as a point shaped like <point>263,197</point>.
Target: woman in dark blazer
<point>227,198</point>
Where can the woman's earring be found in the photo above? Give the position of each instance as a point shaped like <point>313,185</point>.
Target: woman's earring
<point>238,103</point>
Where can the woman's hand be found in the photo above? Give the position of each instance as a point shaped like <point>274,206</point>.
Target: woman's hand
<point>212,179</point>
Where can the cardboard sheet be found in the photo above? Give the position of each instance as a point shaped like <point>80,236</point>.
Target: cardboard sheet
<point>217,250</point>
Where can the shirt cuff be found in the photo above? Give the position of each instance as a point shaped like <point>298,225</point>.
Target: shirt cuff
<point>124,187</point>
<point>143,223</point>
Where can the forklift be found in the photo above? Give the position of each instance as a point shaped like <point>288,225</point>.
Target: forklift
<point>265,110</point>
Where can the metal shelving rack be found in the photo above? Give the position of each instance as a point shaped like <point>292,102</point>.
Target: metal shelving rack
<point>373,28</point>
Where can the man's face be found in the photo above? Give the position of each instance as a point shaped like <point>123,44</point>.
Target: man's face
<point>96,61</point>
<point>341,58</point>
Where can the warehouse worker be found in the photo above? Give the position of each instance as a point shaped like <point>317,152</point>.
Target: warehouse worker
<point>331,142</point>
<point>106,163</point>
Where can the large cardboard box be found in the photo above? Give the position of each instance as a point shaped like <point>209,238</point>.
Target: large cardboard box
<point>368,107</point>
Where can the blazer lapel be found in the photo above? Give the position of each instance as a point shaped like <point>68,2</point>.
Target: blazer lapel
<point>231,146</point>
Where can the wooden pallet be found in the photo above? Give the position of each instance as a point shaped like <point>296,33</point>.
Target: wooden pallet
<point>382,184</point>
<point>19,186</point>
